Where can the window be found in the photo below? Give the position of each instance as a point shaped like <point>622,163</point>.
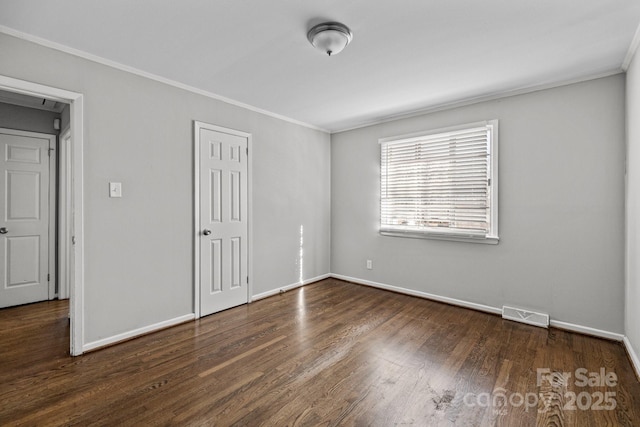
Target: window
<point>441,184</point>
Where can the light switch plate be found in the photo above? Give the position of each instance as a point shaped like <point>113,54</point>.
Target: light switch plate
<point>115,189</point>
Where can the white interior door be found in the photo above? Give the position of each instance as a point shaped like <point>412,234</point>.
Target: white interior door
<point>223,216</point>
<point>24,216</point>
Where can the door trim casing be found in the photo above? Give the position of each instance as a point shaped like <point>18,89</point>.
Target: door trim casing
<point>76,102</point>
<point>64,213</point>
<point>53,216</point>
<point>197,126</point>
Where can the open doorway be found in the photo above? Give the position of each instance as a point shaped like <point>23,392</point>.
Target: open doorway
<point>69,262</point>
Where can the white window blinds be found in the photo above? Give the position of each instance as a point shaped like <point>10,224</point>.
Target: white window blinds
<point>440,183</point>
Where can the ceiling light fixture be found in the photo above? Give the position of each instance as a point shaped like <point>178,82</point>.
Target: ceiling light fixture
<point>330,37</point>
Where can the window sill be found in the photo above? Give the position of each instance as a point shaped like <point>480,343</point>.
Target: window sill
<point>487,240</point>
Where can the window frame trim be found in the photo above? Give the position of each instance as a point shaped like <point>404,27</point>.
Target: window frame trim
<point>492,237</point>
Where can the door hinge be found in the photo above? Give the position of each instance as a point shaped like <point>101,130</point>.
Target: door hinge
<point>50,150</point>
<point>489,182</point>
<point>247,151</point>
<point>247,280</point>
<point>48,277</point>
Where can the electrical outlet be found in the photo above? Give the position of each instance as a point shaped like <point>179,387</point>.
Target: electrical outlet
<point>369,264</point>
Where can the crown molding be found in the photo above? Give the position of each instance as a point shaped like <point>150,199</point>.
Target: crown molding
<point>482,98</point>
<point>414,113</point>
<point>113,64</point>
<point>633,47</point>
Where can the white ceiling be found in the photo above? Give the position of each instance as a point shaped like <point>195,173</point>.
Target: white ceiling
<point>406,55</point>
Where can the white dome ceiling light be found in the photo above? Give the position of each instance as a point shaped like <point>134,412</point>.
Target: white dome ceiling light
<point>330,37</point>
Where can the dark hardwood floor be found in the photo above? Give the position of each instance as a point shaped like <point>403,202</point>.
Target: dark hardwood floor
<point>331,353</point>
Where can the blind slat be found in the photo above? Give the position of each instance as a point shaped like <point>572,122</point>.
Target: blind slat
<point>437,181</point>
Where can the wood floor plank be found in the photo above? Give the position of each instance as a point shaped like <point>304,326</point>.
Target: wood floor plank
<point>332,353</point>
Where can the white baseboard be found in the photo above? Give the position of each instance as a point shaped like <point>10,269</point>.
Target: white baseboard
<point>182,319</point>
<point>480,307</point>
<point>289,287</point>
<point>137,332</point>
<point>452,301</point>
<point>586,330</point>
<point>635,360</point>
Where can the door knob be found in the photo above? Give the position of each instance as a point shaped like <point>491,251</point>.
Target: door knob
<point>3,230</point>
<point>206,232</point>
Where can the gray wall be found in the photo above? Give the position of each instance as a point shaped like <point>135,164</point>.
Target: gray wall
<point>28,119</point>
<point>632,298</point>
<point>561,199</point>
<point>561,215</point>
<point>139,252</point>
